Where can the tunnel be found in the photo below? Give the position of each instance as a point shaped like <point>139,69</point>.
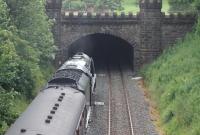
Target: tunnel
<point>104,49</point>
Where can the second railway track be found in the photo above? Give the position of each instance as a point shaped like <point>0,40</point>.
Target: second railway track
<point>119,114</point>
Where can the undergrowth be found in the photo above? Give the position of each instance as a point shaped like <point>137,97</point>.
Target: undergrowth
<point>174,83</point>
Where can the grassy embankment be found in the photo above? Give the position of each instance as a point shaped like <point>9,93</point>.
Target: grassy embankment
<point>174,84</point>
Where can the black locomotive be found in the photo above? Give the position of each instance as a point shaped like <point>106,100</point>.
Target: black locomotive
<point>64,106</point>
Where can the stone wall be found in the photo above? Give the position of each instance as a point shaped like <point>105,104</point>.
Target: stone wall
<point>175,27</point>
<point>148,32</point>
<point>124,27</point>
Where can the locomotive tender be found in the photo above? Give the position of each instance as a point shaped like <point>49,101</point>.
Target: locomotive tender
<point>63,107</point>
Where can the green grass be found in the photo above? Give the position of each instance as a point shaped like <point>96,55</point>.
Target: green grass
<point>165,6</point>
<point>132,6</point>
<point>174,83</point>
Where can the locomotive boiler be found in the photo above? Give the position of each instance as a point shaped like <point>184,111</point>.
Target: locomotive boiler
<point>63,107</point>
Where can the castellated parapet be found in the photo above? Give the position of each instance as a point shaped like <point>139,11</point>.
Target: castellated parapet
<point>99,18</point>
<point>149,32</point>
<point>179,18</point>
<point>89,15</point>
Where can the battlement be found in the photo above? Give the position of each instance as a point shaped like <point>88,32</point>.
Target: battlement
<point>150,4</point>
<point>180,18</point>
<point>54,4</point>
<point>89,15</point>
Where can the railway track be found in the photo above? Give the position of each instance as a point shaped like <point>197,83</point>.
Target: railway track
<point>119,114</point>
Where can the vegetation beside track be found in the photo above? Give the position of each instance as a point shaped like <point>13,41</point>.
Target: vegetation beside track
<point>173,81</point>
<point>26,53</point>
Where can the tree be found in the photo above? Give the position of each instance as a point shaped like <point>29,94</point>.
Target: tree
<point>12,67</point>
<point>95,5</point>
<point>108,5</point>
<point>181,5</point>
<point>26,46</point>
<point>34,27</point>
<point>6,116</point>
<point>196,4</point>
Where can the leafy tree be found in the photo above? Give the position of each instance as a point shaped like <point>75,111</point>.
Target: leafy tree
<point>26,47</point>
<point>181,5</point>
<point>12,66</point>
<point>74,5</point>
<point>8,63</point>
<point>196,4</point>
<point>30,18</point>
<point>108,4</point>
<point>96,5</point>
<point>4,17</point>
<point>6,116</point>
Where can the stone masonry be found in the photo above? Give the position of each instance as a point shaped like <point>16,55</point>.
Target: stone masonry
<point>149,32</point>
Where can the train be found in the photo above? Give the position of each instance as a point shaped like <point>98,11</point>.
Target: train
<point>64,106</point>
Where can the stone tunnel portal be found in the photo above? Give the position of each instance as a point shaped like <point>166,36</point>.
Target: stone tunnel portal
<point>104,49</point>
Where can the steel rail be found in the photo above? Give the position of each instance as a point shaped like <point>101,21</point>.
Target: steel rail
<point>127,102</point>
<point>110,102</point>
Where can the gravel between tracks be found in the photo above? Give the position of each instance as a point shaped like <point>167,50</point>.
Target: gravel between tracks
<point>99,124</point>
<point>139,108</point>
<point>119,113</point>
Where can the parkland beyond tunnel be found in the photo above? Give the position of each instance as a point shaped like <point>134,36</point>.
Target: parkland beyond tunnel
<point>137,38</point>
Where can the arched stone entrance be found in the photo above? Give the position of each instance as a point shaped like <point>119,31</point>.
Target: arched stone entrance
<point>150,31</point>
<point>104,48</point>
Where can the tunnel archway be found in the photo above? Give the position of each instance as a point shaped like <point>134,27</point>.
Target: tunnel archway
<point>104,48</point>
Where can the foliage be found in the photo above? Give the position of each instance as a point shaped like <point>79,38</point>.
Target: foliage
<point>4,19</point>
<point>29,16</point>
<point>99,6</point>
<point>6,116</point>
<point>26,52</point>
<point>8,62</point>
<point>196,4</point>
<point>14,72</point>
<point>174,83</point>
<point>95,5</point>
<point>108,5</point>
<point>184,5</point>
<point>74,5</point>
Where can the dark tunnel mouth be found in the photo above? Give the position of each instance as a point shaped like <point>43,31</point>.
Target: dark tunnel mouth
<point>104,49</point>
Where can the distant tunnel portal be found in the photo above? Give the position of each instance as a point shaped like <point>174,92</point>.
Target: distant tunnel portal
<point>104,49</point>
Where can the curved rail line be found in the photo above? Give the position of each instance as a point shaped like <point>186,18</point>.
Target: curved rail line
<point>127,103</point>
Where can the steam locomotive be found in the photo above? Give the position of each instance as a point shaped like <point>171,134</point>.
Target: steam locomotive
<point>63,107</point>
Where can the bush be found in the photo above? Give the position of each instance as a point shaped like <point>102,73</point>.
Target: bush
<point>184,5</point>
<point>6,115</point>
<point>26,53</point>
